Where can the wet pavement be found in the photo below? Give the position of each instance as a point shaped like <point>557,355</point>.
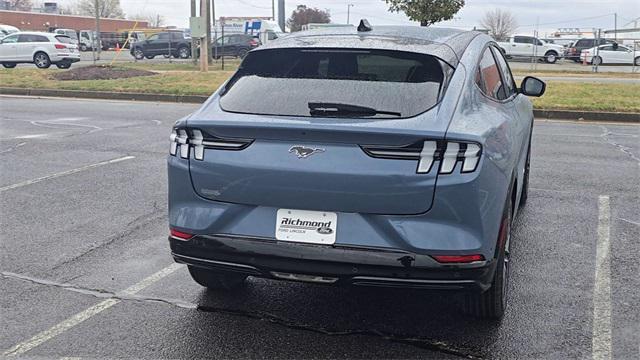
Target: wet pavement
<point>86,269</point>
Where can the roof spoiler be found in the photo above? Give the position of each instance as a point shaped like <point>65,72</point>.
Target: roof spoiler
<point>364,26</point>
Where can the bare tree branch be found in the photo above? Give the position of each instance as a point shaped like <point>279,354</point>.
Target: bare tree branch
<point>500,23</point>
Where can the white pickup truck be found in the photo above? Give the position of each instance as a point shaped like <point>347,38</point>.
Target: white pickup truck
<point>529,46</point>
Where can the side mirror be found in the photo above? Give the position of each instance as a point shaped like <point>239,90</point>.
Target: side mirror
<point>532,86</point>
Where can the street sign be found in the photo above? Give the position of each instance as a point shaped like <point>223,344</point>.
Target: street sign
<point>198,27</point>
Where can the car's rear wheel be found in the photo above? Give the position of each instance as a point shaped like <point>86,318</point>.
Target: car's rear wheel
<point>637,61</point>
<point>84,47</point>
<point>597,60</point>
<point>551,57</point>
<point>492,303</point>
<point>63,65</point>
<point>41,60</point>
<point>184,52</point>
<point>138,54</point>
<point>9,65</point>
<point>217,279</point>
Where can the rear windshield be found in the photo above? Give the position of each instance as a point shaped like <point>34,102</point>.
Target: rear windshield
<point>290,81</point>
<point>64,39</point>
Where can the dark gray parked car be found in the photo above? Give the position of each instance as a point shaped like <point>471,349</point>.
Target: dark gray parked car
<point>171,43</point>
<point>392,157</point>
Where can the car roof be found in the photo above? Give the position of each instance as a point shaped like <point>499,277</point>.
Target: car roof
<point>36,33</point>
<point>444,43</point>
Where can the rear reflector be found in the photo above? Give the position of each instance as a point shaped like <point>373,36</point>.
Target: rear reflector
<point>459,259</point>
<point>60,46</point>
<point>180,235</point>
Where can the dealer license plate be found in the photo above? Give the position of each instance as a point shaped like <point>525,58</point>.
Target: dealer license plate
<point>313,227</point>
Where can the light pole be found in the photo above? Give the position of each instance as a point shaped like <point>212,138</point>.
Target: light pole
<point>349,6</point>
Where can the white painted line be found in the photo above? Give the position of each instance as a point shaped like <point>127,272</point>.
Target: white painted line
<point>601,338</point>
<point>64,173</point>
<point>78,318</point>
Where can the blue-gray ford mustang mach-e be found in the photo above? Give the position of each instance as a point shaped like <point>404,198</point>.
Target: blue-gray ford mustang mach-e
<point>384,156</point>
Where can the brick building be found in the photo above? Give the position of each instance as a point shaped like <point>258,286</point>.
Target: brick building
<point>46,22</point>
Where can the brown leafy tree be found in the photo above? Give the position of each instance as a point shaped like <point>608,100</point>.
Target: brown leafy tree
<point>154,20</point>
<point>20,5</point>
<point>105,8</point>
<point>500,23</point>
<point>427,12</point>
<point>304,15</point>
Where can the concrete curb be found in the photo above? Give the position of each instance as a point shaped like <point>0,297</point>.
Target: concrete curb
<point>105,95</point>
<point>198,99</point>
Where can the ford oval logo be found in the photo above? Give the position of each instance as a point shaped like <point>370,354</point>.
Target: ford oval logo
<point>325,230</point>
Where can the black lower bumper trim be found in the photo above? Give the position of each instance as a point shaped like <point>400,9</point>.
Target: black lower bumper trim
<point>351,266</point>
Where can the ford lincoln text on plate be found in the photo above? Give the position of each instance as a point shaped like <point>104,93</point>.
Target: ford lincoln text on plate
<point>384,156</point>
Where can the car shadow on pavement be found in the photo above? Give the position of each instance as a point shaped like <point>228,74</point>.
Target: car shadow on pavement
<point>425,319</point>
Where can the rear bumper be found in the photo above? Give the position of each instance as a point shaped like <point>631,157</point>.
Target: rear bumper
<point>338,265</point>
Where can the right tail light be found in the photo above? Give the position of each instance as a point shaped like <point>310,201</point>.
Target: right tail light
<point>447,153</point>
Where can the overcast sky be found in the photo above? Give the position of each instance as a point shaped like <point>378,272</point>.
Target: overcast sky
<point>550,14</point>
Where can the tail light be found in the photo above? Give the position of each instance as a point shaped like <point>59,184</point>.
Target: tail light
<point>253,42</point>
<point>60,46</point>
<point>183,140</point>
<point>448,153</point>
<point>179,235</point>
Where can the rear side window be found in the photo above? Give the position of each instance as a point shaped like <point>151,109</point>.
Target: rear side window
<point>290,81</point>
<point>64,39</point>
<point>584,43</point>
<point>32,38</point>
<point>488,77</point>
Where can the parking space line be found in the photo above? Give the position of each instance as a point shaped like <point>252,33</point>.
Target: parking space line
<point>78,318</point>
<point>64,173</point>
<point>601,338</point>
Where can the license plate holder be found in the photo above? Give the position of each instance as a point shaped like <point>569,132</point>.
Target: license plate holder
<point>304,226</point>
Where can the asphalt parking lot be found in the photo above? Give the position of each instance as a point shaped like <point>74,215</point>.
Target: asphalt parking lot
<point>86,269</point>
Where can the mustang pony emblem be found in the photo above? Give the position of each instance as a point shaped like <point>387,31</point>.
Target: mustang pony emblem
<point>303,152</point>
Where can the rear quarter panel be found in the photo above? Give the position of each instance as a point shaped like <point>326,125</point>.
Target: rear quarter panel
<point>503,132</point>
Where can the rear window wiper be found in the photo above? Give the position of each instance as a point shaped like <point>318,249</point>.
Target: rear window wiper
<point>337,109</point>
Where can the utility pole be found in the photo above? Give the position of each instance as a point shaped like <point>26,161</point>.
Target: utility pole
<point>193,39</point>
<point>208,33</point>
<point>281,19</point>
<point>97,10</point>
<point>615,27</point>
<point>349,6</point>
<point>204,43</point>
<point>273,10</point>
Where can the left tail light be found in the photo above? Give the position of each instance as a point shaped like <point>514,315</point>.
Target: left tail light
<point>448,153</point>
<point>60,46</point>
<point>182,140</point>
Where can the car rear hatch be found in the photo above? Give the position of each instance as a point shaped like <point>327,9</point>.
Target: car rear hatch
<point>362,136</point>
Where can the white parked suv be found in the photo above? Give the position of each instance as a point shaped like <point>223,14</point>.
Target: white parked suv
<point>39,48</point>
<point>529,46</point>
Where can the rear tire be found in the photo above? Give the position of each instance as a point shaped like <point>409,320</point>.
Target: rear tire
<point>217,279</point>
<point>636,61</point>
<point>138,54</point>
<point>9,65</point>
<point>41,60</point>
<point>551,57</point>
<point>184,52</point>
<point>492,303</point>
<point>84,47</point>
